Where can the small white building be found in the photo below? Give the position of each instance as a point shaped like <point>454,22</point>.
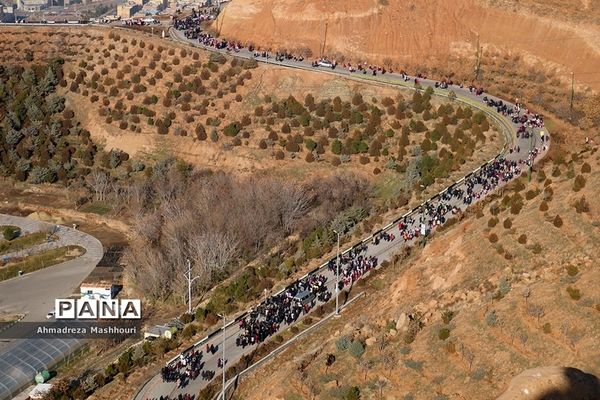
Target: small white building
<point>158,331</point>
<point>98,290</point>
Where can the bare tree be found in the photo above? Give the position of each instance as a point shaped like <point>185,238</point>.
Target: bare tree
<point>536,310</point>
<point>380,384</point>
<point>99,183</point>
<point>365,365</point>
<point>523,338</point>
<point>381,343</point>
<point>526,293</point>
<point>467,355</point>
<point>293,203</point>
<point>212,252</point>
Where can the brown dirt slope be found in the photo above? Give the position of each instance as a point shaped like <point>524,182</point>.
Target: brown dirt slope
<point>562,32</point>
<point>519,276</point>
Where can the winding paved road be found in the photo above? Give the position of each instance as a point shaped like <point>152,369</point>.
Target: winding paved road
<point>33,294</point>
<point>383,251</point>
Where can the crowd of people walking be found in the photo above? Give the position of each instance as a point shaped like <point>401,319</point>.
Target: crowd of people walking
<point>283,308</point>
<point>286,307</point>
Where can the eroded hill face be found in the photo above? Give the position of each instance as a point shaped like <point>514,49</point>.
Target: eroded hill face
<point>405,33</point>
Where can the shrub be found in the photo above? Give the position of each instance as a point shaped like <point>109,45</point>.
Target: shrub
<point>200,132</point>
<point>530,194</point>
<point>353,393</point>
<point>586,168</point>
<point>376,171</point>
<point>572,270</point>
<point>493,238</point>
<point>492,222</point>
<point>444,333</point>
<point>556,172</point>
<point>558,222</point>
<point>579,183</point>
<point>279,155</point>
<point>516,207</point>
<point>574,293</point>
<point>232,129</point>
<point>412,364</point>
<point>11,232</point>
<point>447,316</point>
<point>507,223</point>
<point>336,147</point>
<point>581,205</point>
<point>522,239</point>
<point>491,318</point>
<point>547,328</point>
<point>292,146</point>
<point>342,343</point>
<point>543,206</point>
<point>357,349</point>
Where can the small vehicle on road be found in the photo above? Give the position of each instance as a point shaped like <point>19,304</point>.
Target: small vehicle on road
<point>305,297</point>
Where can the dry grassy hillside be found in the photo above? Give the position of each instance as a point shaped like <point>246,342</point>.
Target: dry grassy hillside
<point>562,33</point>
<point>509,288</point>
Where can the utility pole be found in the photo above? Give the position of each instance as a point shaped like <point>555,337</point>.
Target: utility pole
<point>572,92</point>
<point>188,276</point>
<point>478,63</point>
<point>324,40</point>
<point>337,275</point>
<point>223,361</point>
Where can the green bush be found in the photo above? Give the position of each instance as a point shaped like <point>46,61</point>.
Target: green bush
<point>232,129</point>
<point>353,393</point>
<point>574,293</point>
<point>11,232</point>
<point>357,349</point>
<point>336,147</point>
<point>572,270</point>
<point>412,364</point>
<point>189,331</point>
<point>491,318</point>
<point>444,333</point>
<point>342,343</point>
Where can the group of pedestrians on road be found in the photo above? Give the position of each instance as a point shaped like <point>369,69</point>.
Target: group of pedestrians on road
<point>283,308</point>
<point>186,368</point>
<point>184,396</point>
<point>356,263</point>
